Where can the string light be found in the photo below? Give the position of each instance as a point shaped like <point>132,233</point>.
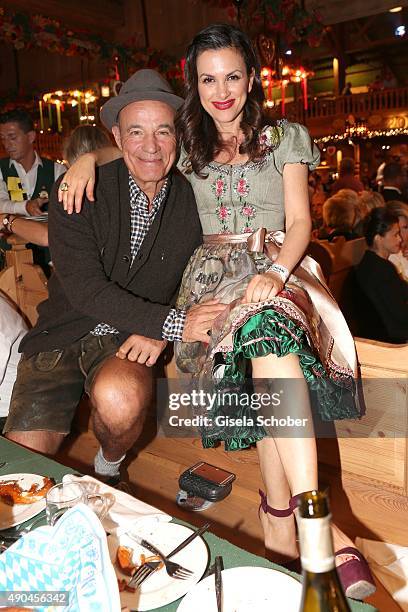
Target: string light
<point>367,135</point>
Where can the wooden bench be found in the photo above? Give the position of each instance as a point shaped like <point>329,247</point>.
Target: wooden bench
<point>371,454</point>
<point>337,259</point>
<point>24,282</point>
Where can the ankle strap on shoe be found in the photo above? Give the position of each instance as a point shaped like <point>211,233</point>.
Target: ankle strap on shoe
<point>274,511</point>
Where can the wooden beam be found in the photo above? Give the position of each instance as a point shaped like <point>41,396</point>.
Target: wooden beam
<point>366,26</point>
<point>382,42</point>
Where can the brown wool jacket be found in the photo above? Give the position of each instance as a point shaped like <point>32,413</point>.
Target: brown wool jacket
<point>93,282</point>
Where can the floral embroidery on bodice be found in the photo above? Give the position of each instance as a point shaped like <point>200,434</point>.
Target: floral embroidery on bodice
<point>239,198</point>
<point>270,138</point>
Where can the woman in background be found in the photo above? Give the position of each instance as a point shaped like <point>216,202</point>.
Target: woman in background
<point>400,259</point>
<point>340,214</point>
<point>382,303</point>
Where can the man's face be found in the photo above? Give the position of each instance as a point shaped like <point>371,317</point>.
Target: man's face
<point>146,136</point>
<point>18,144</point>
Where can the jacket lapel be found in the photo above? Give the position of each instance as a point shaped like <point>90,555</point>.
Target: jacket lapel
<point>150,238</point>
<point>120,227</point>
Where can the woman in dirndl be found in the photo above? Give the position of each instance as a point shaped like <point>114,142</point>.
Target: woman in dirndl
<point>250,179</point>
<point>281,332</point>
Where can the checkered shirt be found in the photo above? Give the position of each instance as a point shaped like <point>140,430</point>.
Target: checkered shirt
<point>141,219</point>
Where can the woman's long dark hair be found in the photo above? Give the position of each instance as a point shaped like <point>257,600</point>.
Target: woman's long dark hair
<point>378,222</point>
<point>195,127</point>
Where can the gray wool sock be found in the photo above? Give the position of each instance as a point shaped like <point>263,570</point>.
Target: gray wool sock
<point>104,467</point>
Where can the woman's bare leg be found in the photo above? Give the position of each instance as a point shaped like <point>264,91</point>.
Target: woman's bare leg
<point>288,464</point>
<point>279,533</point>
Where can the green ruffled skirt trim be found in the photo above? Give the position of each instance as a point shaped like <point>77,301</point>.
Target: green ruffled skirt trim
<point>270,332</point>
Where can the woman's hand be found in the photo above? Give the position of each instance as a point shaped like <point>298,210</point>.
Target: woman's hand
<point>80,179</point>
<point>263,287</point>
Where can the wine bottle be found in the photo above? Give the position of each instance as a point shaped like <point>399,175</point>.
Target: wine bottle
<point>322,591</point>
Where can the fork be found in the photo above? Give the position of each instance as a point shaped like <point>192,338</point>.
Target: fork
<point>145,570</point>
<point>174,570</point>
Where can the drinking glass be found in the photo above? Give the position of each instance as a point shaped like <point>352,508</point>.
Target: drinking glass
<point>66,495</point>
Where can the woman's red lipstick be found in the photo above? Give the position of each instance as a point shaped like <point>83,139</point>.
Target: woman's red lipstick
<point>224,105</point>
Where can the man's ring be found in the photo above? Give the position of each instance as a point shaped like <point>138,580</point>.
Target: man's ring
<point>64,187</point>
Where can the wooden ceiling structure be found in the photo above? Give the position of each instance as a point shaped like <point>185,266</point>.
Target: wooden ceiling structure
<point>339,11</point>
<point>109,17</point>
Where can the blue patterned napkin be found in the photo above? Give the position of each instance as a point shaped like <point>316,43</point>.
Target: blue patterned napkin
<point>71,557</point>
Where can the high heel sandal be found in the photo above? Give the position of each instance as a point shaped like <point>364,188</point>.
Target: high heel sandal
<point>354,574</point>
<point>291,564</point>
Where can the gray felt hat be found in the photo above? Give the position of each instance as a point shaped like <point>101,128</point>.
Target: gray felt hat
<point>144,84</point>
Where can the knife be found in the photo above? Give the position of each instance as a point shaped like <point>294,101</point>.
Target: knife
<point>190,538</point>
<point>219,566</point>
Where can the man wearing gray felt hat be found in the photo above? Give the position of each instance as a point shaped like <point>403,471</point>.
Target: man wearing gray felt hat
<point>145,84</point>
<point>111,306</point>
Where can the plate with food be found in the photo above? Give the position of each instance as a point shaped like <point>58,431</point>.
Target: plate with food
<point>22,496</point>
<point>159,589</point>
<point>246,588</point>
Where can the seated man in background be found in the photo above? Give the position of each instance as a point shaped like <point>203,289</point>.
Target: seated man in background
<point>118,266</point>
<point>347,179</point>
<point>26,178</point>
<point>394,182</point>
<point>12,330</point>
<point>83,139</point>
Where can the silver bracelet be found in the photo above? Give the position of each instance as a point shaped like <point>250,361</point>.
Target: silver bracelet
<point>280,270</point>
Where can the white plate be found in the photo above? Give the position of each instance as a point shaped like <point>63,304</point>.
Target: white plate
<point>19,513</point>
<point>245,589</point>
<point>159,589</point>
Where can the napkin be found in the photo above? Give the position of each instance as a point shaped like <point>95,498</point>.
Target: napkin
<point>71,558</point>
<point>389,562</point>
<point>127,512</point>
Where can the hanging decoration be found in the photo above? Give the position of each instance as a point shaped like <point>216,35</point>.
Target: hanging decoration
<point>287,18</point>
<point>25,31</point>
<point>82,100</point>
<point>289,74</point>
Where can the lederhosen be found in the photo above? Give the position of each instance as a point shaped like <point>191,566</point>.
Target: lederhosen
<point>45,181</point>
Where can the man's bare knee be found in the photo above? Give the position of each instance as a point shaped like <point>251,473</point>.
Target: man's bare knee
<point>122,391</point>
<point>45,442</point>
<point>122,416</point>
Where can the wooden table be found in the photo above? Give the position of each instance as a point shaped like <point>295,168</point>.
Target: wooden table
<point>21,460</point>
